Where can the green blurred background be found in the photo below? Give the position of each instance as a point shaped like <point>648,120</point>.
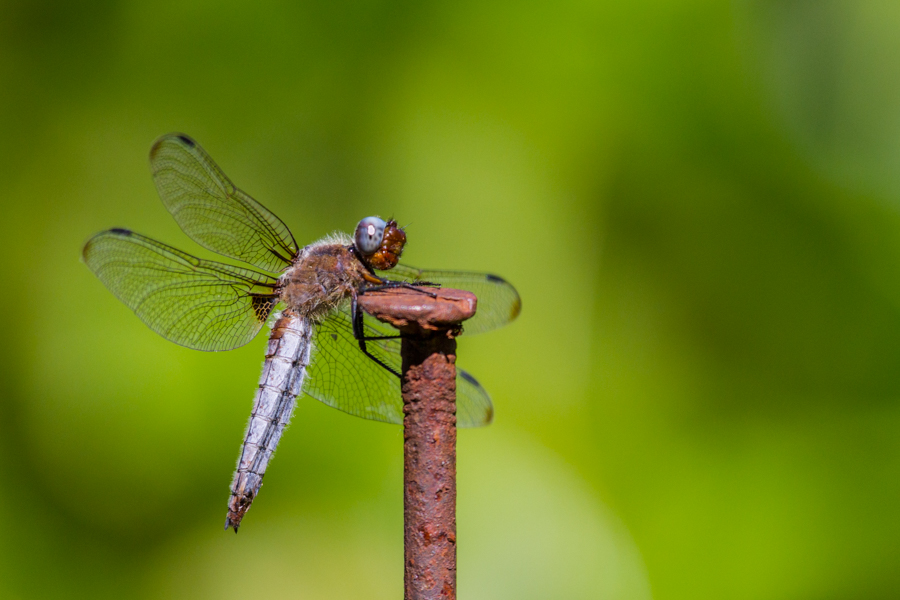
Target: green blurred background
<point>698,201</point>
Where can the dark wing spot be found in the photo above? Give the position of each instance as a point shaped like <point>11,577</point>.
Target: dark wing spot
<point>154,149</point>
<point>334,336</point>
<point>469,378</point>
<point>516,309</point>
<point>186,140</point>
<point>120,231</point>
<point>262,306</point>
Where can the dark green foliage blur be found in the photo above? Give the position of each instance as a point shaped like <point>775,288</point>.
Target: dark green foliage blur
<point>698,201</point>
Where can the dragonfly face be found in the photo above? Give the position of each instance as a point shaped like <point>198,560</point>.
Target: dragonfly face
<point>380,243</point>
<point>321,344</point>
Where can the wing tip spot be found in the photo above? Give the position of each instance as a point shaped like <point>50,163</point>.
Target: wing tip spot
<point>157,145</point>
<point>465,375</point>
<point>516,309</point>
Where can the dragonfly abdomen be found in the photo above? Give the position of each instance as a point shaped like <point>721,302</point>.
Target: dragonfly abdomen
<point>282,377</point>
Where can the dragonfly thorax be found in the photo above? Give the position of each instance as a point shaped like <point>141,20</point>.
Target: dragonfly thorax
<point>321,278</point>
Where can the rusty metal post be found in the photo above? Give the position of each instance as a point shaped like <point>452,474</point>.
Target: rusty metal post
<point>429,326</point>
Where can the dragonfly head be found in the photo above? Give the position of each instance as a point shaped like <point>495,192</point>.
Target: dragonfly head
<point>380,243</point>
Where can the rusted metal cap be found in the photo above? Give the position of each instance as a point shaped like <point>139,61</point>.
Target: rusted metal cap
<point>413,311</point>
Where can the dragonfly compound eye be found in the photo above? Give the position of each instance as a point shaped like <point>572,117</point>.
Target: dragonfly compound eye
<point>369,234</point>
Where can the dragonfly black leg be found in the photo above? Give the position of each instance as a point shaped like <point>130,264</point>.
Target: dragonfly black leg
<point>359,334</point>
<point>357,314</point>
<point>391,285</point>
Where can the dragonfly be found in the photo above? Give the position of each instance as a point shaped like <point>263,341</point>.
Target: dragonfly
<point>321,343</point>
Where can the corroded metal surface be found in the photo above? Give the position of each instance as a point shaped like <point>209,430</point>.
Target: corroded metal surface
<point>429,467</point>
<point>416,311</point>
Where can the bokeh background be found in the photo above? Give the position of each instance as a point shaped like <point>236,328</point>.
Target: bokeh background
<point>699,202</point>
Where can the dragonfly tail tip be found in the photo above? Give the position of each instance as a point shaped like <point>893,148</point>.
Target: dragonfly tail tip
<point>230,524</point>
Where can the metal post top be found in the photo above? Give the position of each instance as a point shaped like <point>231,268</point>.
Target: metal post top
<point>428,309</point>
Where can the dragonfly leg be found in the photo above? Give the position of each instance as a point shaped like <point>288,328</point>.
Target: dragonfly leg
<point>391,285</point>
<point>358,329</point>
<point>386,285</point>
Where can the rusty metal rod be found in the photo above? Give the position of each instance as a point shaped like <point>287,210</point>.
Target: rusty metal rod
<point>429,326</point>
<point>429,467</point>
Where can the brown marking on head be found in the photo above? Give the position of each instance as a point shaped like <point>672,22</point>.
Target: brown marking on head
<point>387,256</point>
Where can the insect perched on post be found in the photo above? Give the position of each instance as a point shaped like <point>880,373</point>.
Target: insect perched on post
<point>321,343</point>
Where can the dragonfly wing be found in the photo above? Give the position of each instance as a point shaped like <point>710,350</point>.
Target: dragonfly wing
<point>212,211</point>
<point>473,404</point>
<point>195,303</point>
<point>498,300</point>
<point>341,376</point>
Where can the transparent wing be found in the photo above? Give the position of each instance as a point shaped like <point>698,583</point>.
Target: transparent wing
<point>196,303</point>
<point>341,376</point>
<point>498,300</point>
<point>212,211</point>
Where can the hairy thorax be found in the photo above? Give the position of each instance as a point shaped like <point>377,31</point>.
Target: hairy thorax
<point>322,276</point>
